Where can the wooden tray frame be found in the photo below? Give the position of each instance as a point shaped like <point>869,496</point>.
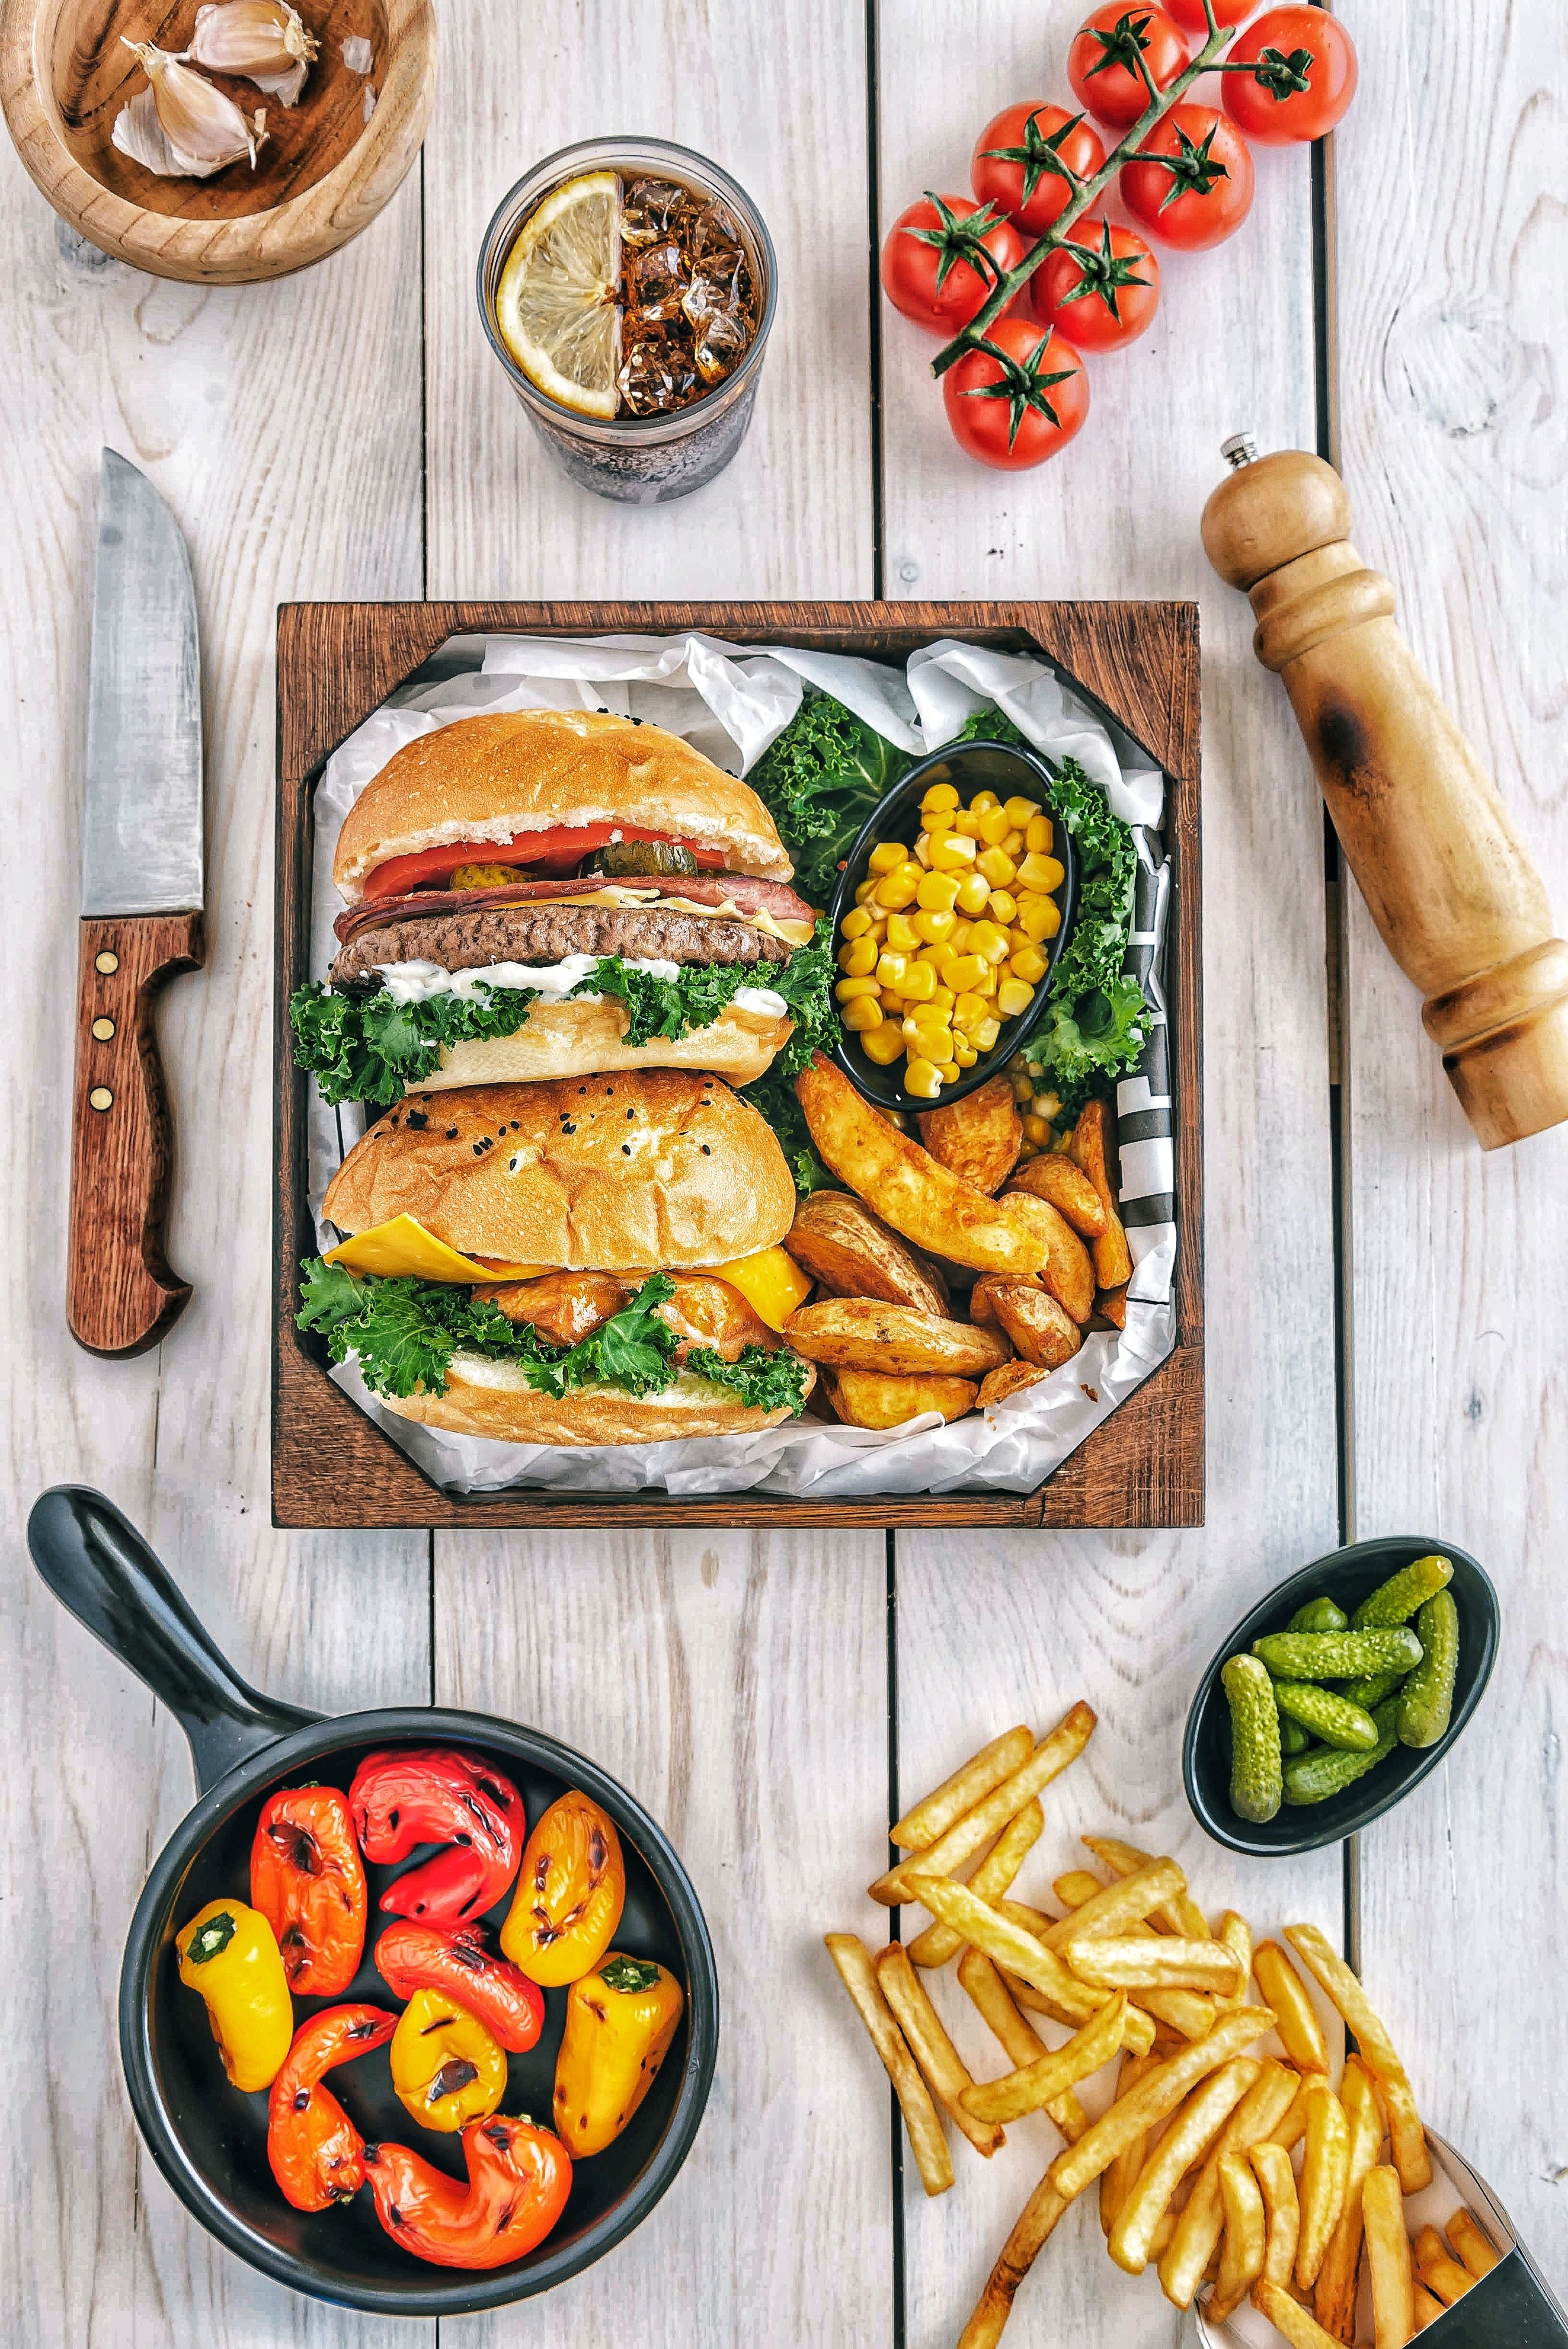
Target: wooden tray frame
<point>337,662</point>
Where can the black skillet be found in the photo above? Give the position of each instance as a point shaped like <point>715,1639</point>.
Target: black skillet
<point>209,2140</point>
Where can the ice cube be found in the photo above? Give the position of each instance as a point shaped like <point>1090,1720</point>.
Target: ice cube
<point>712,231</point>
<point>650,209</point>
<point>659,281</point>
<point>656,373</point>
<point>715,288</point>
<point>722,337</point>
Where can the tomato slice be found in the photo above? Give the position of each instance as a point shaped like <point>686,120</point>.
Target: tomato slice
<point>560,845</point>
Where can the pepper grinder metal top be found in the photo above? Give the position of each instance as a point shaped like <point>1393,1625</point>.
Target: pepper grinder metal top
<point>1458,902</point>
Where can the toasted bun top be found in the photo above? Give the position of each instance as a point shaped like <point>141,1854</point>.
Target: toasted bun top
<point>516,771</point>
<point>650,1170</point>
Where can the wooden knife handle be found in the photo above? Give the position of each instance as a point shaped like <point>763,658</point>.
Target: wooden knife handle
<point>120,1295</point>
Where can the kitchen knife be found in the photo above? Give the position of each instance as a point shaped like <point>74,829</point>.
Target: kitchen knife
<point>141,912</point>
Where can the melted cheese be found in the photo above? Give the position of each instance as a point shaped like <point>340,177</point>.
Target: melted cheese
<point>771,1282</point>
<point>404,1247</point>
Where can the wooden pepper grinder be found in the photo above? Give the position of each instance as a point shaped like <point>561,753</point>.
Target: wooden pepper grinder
<point>1456,897</point>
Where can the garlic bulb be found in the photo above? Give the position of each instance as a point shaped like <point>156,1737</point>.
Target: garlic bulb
<point>264,40</point>
<point>199,128</point>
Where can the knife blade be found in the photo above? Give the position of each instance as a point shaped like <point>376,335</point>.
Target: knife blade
<point>142,890</point>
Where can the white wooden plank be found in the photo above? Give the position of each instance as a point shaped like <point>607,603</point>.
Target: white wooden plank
<point>735,1685</point>
<point>1018,1626</point>
<point>1453,332</point>
<point>282,423</point>
<point>778,97</point>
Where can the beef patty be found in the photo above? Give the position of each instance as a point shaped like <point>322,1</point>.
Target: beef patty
<point>543,931</point>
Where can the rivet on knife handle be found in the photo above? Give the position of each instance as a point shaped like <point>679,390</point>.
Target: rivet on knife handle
<point>121,1295</point>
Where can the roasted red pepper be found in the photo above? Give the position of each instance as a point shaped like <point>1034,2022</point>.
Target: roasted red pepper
<point>435,1794</point>
<point>315,2151</point>
<point>519,2179</point>
<point>308,1881</point>
<point>426,1957</point>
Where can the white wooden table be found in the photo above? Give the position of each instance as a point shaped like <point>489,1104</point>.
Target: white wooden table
<point>1384,1306</point>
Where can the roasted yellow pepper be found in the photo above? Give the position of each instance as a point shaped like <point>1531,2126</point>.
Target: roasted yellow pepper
<point>620,2020</point>
<point>230,1953</point>
<point>445,2067</point>
<point>571,1890</point>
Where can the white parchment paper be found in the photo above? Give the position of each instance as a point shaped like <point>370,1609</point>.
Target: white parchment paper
<point>730,702</point>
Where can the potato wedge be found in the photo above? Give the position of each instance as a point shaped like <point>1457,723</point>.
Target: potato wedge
<point>868,1398</point>
<point>1111,1306</point>
<point>856,1334</point>
<point>1066,1270</point>
<point>977,1138</point>
<point>1069,1190</point>
<point>1012,1378</point>
<point>905,1185</point>
<point>852,1252</point>
<point>1044,1333</point>
<point>1093,1147</point>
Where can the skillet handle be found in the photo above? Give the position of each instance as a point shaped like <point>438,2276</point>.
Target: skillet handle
<point>99,1566</point>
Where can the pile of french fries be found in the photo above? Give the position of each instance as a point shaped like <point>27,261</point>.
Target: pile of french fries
<point>1050,1254</point>
<point>1193,2157</point>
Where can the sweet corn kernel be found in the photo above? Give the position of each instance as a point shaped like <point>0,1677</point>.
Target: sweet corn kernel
<point>924,1079</point>
<point>1013,997</point>
<point>1003,907</point>
<point>1022,1088</point>
<point>938,892</point>
<point>890,967</point>
<point>960,938</point>
<point>974,893</point>
<point>951,1071</point>
<point>928,1044</point>
<point>1039,918</point>
<point>864,891</point>
<point>964,1054</point>
<point>901,933</point>
<point>1012,845</point>
<point>879,927</point>
<point>884,1046</point>
<point>857,959</point>
<point>1020,811</point>
<point>996,865</point>
<point>890,1002</point>
<point>960,973</point>
<point>1029,965</point>
<point>918,984</point>
<point>985,980</point>
<point>863,1014</point>
<point>986,939</point>
<point>856,923</point>
<point>940,795</point>
<point>923,852</point>
<point>856,991</point>
<point>966,824</point>
<point>1040,873</point>
<point>984,1038</point>
<point>1037,835</point>
<point>887,856</point>
<point>932,926</point>
<point>1035,1130</point>
<point>895,890</point>
<point>995,827</point>
<point>940,1000</point>
<point>951,852</point>
<point>969,1010</point>
<point>983,802</point>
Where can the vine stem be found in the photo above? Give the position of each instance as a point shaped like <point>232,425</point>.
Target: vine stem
<point>1085,194</point>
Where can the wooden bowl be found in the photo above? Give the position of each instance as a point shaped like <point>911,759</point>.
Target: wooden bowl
<point>323,175</point>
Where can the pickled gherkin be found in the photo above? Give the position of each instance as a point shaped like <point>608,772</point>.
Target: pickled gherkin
<point>1255,1768</point>
<point>1427,1700</point>
<point>1317,1775</point>
<point>1338,1655</point>
<point>1396,1601</point>
<point>629,859</point>
<point>1320,1614</point>
<point>1329,1717</point>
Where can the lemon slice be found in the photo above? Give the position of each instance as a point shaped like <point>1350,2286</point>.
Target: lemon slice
<point>556,304</point>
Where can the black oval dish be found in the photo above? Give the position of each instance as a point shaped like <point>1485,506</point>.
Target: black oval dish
<point>969,767</point>
<point>1348,1577</point>
<point>210,2139</point>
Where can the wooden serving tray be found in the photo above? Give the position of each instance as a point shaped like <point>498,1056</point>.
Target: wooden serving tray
<point>337,662</point>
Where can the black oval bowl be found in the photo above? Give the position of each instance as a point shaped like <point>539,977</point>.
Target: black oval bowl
<point>969,767</point>
<point>210,2139</point>
<point>1348,1577</point>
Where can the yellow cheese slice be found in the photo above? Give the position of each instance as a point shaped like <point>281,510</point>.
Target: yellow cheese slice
<point>404,1246</point>
<point>771,1282</point>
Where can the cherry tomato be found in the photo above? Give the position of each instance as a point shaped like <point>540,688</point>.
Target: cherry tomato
<point>1203,192</point>
<point>1102,64</point>
<point>1105,297</point>
<point>926,270</point>
<point>1016,157</point>
<point>1190,15</point>
<point>1017,403</point>
<point>1308,76</point>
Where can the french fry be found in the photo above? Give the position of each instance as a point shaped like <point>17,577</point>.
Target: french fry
<point>1137,2030</point>
<point>983,1823</point>
<point>1187,2012</point>
<point>1407,2137</point>
<point>1112,1909</point>
<point>1155,2097</point>
<point>936,1812</point>
<point>1427,2307</point>
<point>1271,2168</point>
<point>1036,2223</point>
<point>1199,2228</point>
<point>1389,2259</point>
<point>989,1881</point>
<point>1154,1961</point>
<point>1301,2329</point>
<point>1300,2031</point>
<point>1076,1887</point>
<point>1334,2299</point>
<point>1181,1915</point>
<point>1022,2045</point>
<point>1117,2183</point>
<point>1471,2245</point>
<point>1241,2259</point>
<point>1293,2128</point>
<point>1019,1953</point>
<point>1325,2175</point>
<point>933,2161</point>
<point>1237,1936</point>
<point>1038,1921</point>
<point>1441,2275</point>
<point>1051,2074</point>
<point>947,2076</point>
<point>1191,2132</point>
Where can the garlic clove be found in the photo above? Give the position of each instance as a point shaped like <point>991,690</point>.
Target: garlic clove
<point>262,39</point>
<point>203,127</point>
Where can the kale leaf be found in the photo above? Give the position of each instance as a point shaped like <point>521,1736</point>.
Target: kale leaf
<point>820,781</point>
<point>762,1378</point>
